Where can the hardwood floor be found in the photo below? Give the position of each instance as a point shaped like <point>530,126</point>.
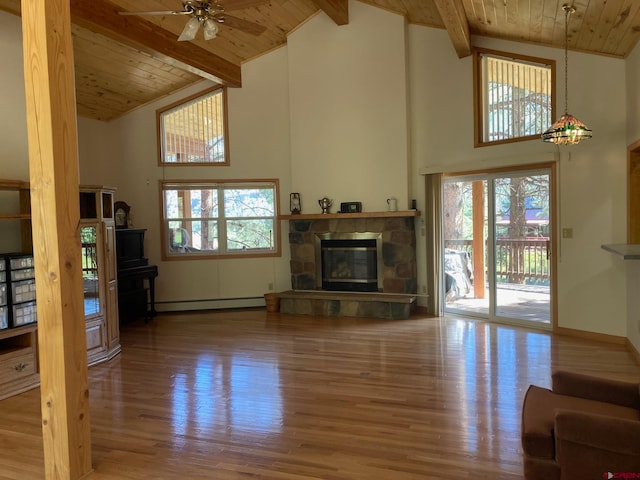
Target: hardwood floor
<point>250,394</point>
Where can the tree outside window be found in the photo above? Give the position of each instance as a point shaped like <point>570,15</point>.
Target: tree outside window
<point>220,219</point>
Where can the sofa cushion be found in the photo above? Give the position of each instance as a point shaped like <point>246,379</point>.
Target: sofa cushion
<point>538,412</point>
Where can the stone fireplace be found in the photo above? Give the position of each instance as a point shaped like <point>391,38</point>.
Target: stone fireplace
<point>394,242</point>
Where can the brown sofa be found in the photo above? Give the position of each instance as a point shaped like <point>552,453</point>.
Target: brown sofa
<point>582,429</point>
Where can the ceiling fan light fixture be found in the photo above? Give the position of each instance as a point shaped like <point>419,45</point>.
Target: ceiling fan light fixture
<point>208,13</point>
<point>568,130</point>
<point>190,30</point>
<point>210,29</point>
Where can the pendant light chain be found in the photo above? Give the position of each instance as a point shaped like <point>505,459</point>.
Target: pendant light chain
<point>568,130</point>
<point>568,10</point>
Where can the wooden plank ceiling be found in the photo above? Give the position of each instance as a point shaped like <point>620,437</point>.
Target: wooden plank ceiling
<point>123,62</point>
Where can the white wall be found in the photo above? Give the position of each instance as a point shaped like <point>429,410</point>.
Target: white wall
<point>259,112</point>
<point>96,162</point>
<point>348,112</point>
<point>14,160</point>
<point>592,174</point>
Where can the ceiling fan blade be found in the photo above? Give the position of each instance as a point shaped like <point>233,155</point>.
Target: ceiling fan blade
<point>230,5</point>
<point>244,25</point>
<point>159,12</point>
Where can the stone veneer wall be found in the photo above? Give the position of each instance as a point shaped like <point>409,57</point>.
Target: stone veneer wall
<point>398,249</point>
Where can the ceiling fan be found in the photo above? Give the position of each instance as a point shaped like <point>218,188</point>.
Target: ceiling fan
<point>208,14</point>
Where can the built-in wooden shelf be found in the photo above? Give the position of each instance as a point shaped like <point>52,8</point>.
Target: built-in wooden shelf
<point>18,360</point>
<point>13,185</point>
<point>14,332</point>
<point>320,216</point>
<point>24,210</point>
<point>15,216</point>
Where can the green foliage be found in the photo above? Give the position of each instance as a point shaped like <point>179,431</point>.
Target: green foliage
<point>223,217</point>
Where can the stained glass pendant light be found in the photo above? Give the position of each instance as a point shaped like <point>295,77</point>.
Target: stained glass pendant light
<point>568,130</point>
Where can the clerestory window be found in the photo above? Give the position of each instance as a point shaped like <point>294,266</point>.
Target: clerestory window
<point>194,131</point>
<point>513,97</point>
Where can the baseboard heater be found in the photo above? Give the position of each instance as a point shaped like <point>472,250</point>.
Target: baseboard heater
<point>209,304</point>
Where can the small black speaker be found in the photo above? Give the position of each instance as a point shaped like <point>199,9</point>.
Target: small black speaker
<point>351,207</point>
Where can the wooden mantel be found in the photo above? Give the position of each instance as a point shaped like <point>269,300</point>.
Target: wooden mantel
<point>320,216</point>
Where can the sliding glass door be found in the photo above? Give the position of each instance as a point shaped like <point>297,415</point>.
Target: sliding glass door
<point>465,232</point>
<point>497,246</point>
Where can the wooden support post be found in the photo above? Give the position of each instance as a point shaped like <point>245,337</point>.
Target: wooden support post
<point>53,171</point>
<point>478,239</point>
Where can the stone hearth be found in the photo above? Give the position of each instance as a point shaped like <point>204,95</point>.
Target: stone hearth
<point>347,304</point>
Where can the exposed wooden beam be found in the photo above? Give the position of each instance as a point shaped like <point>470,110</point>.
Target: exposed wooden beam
<point>102,16</point>
<point>55,215</point>
<point>11,6</point>
<point>338,10</point>
<point>455,21</point>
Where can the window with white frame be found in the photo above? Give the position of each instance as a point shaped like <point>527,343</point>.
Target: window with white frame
<point>220,218</point>
<point>194,131</point>
<point>513,96</point>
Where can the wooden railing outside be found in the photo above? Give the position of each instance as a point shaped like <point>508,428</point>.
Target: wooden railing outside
<point>89,260</point>
<point>517,261</point>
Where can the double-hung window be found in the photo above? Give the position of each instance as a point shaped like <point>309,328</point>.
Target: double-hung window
<point>513,97</point>
<point>220,218</point>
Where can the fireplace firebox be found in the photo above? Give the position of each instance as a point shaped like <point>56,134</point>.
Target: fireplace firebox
<point>349,261</point>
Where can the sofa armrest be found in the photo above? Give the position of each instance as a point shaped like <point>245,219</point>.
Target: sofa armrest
<point>606,390</point>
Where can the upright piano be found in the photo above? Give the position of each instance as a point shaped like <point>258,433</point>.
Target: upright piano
<point>136,278</point>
